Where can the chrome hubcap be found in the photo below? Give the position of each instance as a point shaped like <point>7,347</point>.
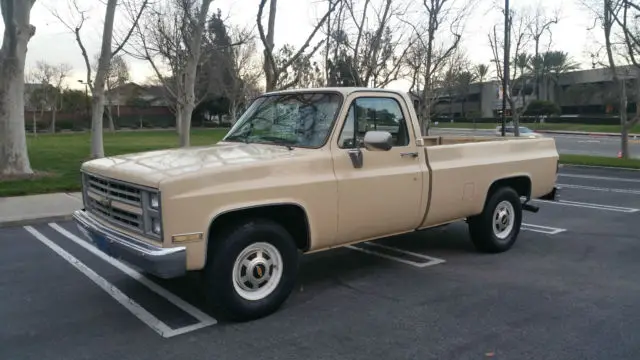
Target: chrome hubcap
<point>257,271</point>
<point>503,219</point>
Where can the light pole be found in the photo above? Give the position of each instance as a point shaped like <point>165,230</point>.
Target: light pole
<point>505,77</point>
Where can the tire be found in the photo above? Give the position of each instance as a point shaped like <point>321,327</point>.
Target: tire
<point>503,206</point>
<point>255,298</point>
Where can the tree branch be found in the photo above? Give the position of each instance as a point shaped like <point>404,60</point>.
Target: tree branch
<point>133,26</point>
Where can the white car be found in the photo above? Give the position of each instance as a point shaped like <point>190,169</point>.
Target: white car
<point>524,132</point>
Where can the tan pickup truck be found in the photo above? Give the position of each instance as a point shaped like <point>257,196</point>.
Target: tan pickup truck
<point>303,171</point>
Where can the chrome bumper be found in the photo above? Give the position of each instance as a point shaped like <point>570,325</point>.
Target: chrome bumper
<point>162,262</point>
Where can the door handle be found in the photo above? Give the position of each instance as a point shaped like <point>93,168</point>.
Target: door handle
<point>409,154</point>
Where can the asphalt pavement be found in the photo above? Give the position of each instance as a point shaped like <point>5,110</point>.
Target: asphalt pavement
<point>607,146</point>
<point>567,290</point>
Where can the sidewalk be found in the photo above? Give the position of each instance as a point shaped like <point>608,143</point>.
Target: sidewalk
<point>33,209</point>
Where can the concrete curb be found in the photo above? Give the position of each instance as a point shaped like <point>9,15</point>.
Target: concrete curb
<point>584,133</point>
<point>34,221</point>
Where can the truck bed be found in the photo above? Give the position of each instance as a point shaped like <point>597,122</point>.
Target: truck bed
<point>452,139</point>
<point>462,169</point>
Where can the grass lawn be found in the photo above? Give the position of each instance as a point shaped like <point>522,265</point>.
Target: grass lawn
<point>599,161</point>
<point>60,155</point>
<point>563,127</point>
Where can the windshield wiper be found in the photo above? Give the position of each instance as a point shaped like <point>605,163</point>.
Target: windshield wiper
<point>278,141</point>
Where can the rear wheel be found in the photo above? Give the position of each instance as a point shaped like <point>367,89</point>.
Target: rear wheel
<point>497,227</point>
<point>251,270</point>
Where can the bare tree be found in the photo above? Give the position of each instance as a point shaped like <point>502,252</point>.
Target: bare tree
<point>273,69</point>
<point>51,77</point>
<point>117,75</point>
<point>246,73</point>
<point>14,158</point>
<point>518,42</point>
<point>624,14</point>
<point>173,36</point>
<point>97,85</point>
<point>369,43</point>
<point>427,56</point>
<point>230,68</point>
<point>43,75</point>
<point>61,72</point>
<point>540,25</point>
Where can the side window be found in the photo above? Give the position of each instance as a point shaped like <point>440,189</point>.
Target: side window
<point>368,114</point>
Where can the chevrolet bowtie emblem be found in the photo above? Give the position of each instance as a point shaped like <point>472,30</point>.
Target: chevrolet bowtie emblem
<point>105,202</point>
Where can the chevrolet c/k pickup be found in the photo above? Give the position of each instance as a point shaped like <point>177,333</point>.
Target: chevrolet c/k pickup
<point>302,171</point>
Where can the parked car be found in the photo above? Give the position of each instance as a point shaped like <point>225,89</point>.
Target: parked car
<point>524,131</point>
<point>302,171</point>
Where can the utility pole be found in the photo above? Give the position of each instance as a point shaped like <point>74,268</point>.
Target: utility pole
<point>505,77</point>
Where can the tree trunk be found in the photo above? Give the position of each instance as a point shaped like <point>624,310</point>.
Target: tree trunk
<point>186,106</point>
<point>515,116</point>
<point>53,120</point>
<point>624,129</point>
<point>234,111</point>
<point>269,67</point>
<point>97,112</point>
<point>624,142</point>
<point>14,158</point>
<point>425,118</point>
<point>112,126</point>
<point>184,113</point>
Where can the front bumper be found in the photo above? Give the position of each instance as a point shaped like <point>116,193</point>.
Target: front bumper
<point>552,196</point>
<point>162,262</point>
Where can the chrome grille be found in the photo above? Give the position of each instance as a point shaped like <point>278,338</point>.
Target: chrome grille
<point>121,203</point>
<point>123,217</point>
<point>114,190</point>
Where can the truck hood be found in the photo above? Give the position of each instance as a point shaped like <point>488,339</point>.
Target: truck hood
<point>152,167</point>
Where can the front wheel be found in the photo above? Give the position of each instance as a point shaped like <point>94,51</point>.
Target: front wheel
<point>251,270</point>
<point>497,227</point>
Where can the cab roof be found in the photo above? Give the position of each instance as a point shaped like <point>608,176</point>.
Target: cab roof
<point>345,91</point>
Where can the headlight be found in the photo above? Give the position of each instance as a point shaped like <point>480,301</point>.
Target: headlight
<point>154,201</point>
<point>156,226</point>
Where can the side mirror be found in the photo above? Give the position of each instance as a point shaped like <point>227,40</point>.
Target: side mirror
<point>378,141</point>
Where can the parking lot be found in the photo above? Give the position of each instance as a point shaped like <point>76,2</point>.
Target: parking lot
<point>568,289</point>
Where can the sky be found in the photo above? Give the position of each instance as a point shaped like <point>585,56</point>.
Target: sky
<point>55,43</point>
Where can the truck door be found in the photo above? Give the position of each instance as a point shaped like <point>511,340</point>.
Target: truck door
<point>379,192</point>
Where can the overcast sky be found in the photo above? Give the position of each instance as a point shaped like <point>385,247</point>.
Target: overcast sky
<point>55,43</point>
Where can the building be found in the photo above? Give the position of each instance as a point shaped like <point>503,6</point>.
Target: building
<point>583,92</point>
<point>130,93</point>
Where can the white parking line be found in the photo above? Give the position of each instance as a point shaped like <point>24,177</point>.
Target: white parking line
<point>594,177</point>
<point>204,319</point>
<point>137,310</point>
<point>589,205</point>
<point>542,229</point>
<point>432,260</point>
<point>595,188</point>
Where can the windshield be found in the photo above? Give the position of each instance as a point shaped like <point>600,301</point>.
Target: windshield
<point>299,120</point>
